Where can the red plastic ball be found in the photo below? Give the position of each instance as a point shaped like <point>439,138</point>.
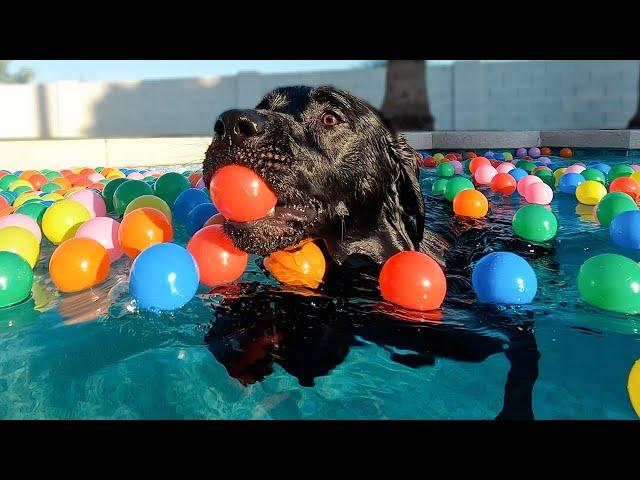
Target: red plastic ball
<point>37,180</point>
<point>476,162</point>
<point>240,194</point>
<point>503,183</point>
<point>217,259</point>
<point>429,162</point>
<point>413,280</point>
<point>627,185</point>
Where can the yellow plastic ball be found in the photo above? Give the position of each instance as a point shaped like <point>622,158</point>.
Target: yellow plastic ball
<point>149,201</point>
<point>301,265</point>
<point>633,387</point>
<point>77,169</point>
<point>590,192</point>
<point>558,173</point>
<point>51,197</point>
<point>636,176</point>
<point>20,183</point>
<point>438,157</point>
<point>62,220</point>
<point>73,190</point>
<point>21,242</point>
<point>116,174</point>
<point>24,197</point>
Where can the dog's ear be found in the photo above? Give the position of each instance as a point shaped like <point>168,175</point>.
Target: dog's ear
<point>407,185</point>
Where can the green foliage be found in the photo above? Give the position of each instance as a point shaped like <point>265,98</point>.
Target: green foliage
<point>21,76</point>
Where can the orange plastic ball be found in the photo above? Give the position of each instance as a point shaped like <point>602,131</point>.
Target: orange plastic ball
<point>503,183</point>
<point>85,172</point>
<point>65,183</point>
<point>468,155</point>
<point>26,174</point>
<point>65,172</point>
<point>477,162</point>
<point>194,178</point>
<point>413,280</point>
<point>303,265</point>
<point>82,182</point>
<point>545,151</point>
<point>627,185</point>
<point>470,203</point>
<point>566,153</point>
<point>73,177</point>
<point>240,194</point>
<point>78,264</point>
<point>218,260</point>
<point>142,228</point>
<point>97,186</point>
<point>7,211</point>
<point>37,180</point>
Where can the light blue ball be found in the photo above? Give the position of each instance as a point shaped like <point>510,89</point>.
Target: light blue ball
<point>625,229</point>
<point>517,173</point>
<point>569,182</point>
<point>489,155</point>
<point>504,278</point>
<point>163,277</point>
<point>603,167</point>
<point>187,201</point>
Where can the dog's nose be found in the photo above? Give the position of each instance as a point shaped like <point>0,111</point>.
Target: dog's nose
<point>239,125</point>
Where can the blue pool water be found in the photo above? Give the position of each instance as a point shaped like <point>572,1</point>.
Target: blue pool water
<point>92,355</point>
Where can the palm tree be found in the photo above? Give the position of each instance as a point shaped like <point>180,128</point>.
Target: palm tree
<point>406,103</point>
<point>635,121</point>
<point>22,76</point>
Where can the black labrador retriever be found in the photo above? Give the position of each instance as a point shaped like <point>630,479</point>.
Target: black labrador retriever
<point>344,178</point>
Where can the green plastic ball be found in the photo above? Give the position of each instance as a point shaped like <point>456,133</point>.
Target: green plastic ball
<point>170,185</point>
<point>16,279</point>
<point>547,177</point>
<point>186,173</point>
<point>52,175</point>
<point>455,185</point>
<point>128,191</point>
<point>7,180</point>
<point>610,282</point>
<point>594,174</point>
<point>535,223</point>
<point>508,156</point>
<point>466,166</point>
<point>445,169</point>
<point>439,186</point>
<point>618,171</point>
<point>99,169</point>
<point>49,187</point>
<point>108,191</point>
<point>20,190</point>
<point>612,205</point>
<point>34,210</point>
<point>526,165</point>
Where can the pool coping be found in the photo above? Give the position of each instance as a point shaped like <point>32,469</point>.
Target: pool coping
<point>182,150</point>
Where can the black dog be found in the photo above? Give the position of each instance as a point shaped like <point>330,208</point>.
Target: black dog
<point>344,178</point>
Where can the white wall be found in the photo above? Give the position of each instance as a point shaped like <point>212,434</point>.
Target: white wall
<point>467,95</point>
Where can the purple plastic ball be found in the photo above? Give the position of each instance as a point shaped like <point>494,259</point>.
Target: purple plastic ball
<point>521,152</point>
<point>534,152</point>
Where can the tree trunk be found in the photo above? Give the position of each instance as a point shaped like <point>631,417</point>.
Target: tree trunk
<point>406,104</point>
<point>635,121</point>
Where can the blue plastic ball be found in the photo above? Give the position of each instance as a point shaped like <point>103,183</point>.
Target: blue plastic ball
<point>18,172</point>
<point>489,155</point>
<point>163,277</point>
<point>8,196</point>
<point>625,229</point>
<point>504,278</point>
<point>569,182</point>
<point>198,216</point>
<point>498,156</point>
<point>186,201</point>
<point>517,173</point>
<point>603,167</point>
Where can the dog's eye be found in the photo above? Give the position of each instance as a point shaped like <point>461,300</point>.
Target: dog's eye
<point>330,119</point>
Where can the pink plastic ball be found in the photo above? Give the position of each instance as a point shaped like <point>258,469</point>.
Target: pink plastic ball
<point>539,193</point>
<point>575,168</point>
<point>92,201</point>
<point>505,167</point>
<point>484,174</point>
<point>524,183</point>
<point>105,231</point>
<point>96,177</point>
<point>457,166</point>
<point>135,176</point>
<point>23,221</point>
<point>635,167</point>
<point>200,183</point>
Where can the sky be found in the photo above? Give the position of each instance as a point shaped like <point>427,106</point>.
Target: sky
<point>119,70</point>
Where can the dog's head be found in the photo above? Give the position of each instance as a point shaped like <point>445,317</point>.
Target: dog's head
<point>340,173</point>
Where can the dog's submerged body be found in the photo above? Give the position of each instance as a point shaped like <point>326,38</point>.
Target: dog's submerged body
<point>345,179</point>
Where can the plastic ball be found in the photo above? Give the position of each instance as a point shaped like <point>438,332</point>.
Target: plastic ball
<point>169,186</point>
<point>37,180</point>
<point>610,282</point>
<point>429,162</point>
<point>108,191</point>
<point>569,182</point>
<point>198,216</point>
<point>534,152</point>
<point>439,157</point>
<point>603,167</point>
<point>505,167</point>
<point>16,279</point>
<point>612,205</point>
<point>594,174</point>
<point>525,182</point>
<point>504,278</point>
<point>470,203</point>
<point>535,223</point>
<point>521,152</point>
<point>547,177</point>
<point>503,183</point>
<point>484,174</point>
<point>413,280</point>
<point>187,201</point>
<point>142,228</point>
<point>489,155</point>
<point>633,387</point>
<point>477,162</point>
<point>240,194</point>
<point>539,193</point>
<point>517,173</point>
<point>20,183</point>
<point>439,186</point>
<point>445,169</point>
<point>575,168</point>
<point>217,219</point>
<point>508,156</point>
<point>618,171</point>
<point>51,197</point>
<point>163,277</point>
<point>468,155</point>
<point>566,153</point>
<point>92,201</point>
<point>62,220</point>
<point>20,241</point>
<point>303,265</point>
<point>218,260</point>
<point>24,221</point>
<point>127,191</point>
<point>78,264</point>
<point>544,160</point>
<point>150,201</point>
<point>105,231</point>
<point>135,176</point>
<point>627,185</point>
<point>457,166</point>
<point>24,198</point>
<point>454,186</point>
<point>590,192</point>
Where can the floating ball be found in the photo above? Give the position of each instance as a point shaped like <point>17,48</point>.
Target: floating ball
<point>51,197</point>
<point>633,387</point>
<point>105,231</point>
<point>429,162</point>
<point>518,174</point>
<point>62,220</point>
<point>187,201</point>
<point>218,260</point>
<point>569,182</point>
<point>217,219</point>
<point>454,186</point>
<point>3,203</point>
<point>198,216</point>
<point>508,156</point>
<point>303,265</point>
<point>24,221</point>
<point>37,180</point>
<point>150,201</point>
<point>77,264</point>
<point>525,182</point>
<point>20,183</point>
<point>163,277</point>
<point>504,278</point>
<point>505,167</point>
<point>526,165</point>
<point>439,186</point>
<point>92,201</point>
<point>534,152</point>
<point>535,223</point>
<point>503,183</point>
<point>477,162</point>
<point>610,282</point>
<point>544,160</point>
<point>16,279</point>
<point>469,155</point>
<point>575,168</point>
<point>627,185</point>
<point>169,186</point>
<point>484,174</point>
<point>445,169</point>
<point>240,194</point>
<point>618,171</point>
<point>457,166</point>
<point>594,174</point>
<point>612,205</point>
<point>7,180</point>
<point>128,191</point>
<point>20,241</point>
<point>590,192</point>
<point>539,193</point>
<point>566,153</point>
<point>413,280</point>
<point>547,177</point>
<point>108,191</point>
<point>521,152</point>
<point>625,229</point>
<point>142,228</point>
<point>603,167</point>
<point>470,203</point>
<point>439,157</point>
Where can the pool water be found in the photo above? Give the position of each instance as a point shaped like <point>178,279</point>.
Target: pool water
<point>259,351</point>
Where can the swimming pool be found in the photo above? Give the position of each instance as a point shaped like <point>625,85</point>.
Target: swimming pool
<point>269,353</point>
